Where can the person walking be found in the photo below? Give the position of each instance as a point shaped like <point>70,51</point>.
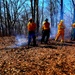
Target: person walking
<point>45,31</point>
<point>60,32</point>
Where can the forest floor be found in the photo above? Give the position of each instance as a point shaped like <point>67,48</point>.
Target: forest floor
<point>45,59</point>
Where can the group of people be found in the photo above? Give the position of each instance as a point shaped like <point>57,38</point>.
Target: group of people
<point>31,26</point>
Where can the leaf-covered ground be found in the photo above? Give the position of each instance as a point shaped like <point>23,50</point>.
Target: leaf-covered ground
<point>52,59</point>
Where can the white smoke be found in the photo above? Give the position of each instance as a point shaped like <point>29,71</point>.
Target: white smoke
<point>53,32</point>
<point>20,40</point>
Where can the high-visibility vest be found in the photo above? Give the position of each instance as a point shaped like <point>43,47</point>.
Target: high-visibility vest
<point>46,26</point>
<point>73,25</point>
<point>61,27</point>
<point>31,26</point>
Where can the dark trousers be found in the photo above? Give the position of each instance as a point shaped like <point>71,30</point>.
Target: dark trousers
<point>31,35</point>
<point>45,36</point>
<point>73,34</point>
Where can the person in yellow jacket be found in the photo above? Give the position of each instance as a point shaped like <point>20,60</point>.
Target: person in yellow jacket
<point>60,32</point>
<point>31,26</point>
<point>73,32</point>
<point>45,31</point>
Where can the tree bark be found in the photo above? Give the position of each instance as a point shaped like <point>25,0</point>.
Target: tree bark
<point>2,29</point>
<point>61,12</point>
<point>8,19</point>
<point>32,9</point>
<point>37,15</point>
<point>74,11</point>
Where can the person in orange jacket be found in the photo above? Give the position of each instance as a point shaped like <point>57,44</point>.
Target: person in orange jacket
<point>73,32</point>
<point>45,31</point>
<point>60,31</point>
<point>31,26</point>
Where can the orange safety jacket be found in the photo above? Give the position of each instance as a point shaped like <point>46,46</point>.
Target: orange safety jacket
<point>31,26</point>
<point>73,25</point>
<point>46,26</point>
<point>61,27</point>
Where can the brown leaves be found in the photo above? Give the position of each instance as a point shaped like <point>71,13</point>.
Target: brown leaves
<point>36,60</point>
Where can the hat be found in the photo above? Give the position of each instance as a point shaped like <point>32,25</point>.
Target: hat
<point>30,19</point>
<point>46,19</point>
<point>61,21</point>
<point>73,23</point>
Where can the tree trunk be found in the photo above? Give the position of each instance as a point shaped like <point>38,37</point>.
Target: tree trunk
<point>8,19</point>
<point>74,11</point>
<point>37,15</point>
<point>2,29</point>
<point>5,18</point>
<point>32,9</point>
<point>61,12</point>
<point>0,18</point>
<point>42,13</point>
<point>52,13</point>
<point>74,15</point>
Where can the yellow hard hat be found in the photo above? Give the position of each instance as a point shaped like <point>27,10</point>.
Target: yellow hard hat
<point>73,23</point>
<point>61,21</point>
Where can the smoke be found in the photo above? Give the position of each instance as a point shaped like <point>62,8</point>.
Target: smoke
<point>20,40</point>
<point>68,32</point>
<point>53,32</point>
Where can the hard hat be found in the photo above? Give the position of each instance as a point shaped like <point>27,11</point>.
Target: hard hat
<point>61,21</point>
<point>30,19</point>
<point>73,23</point>
<point>46,19</point>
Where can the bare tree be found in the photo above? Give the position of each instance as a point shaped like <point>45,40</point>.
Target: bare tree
<point>1,25</point>
<point>4,5</point>
<point>42,12</point>
<point>34,10</point>
<point>8,19</point>
<point>0,17</point>
<point>14,14</point>
<point>37,15</point>
<point>74,10</point>
<point>61,12</point>
<point>51,12</point>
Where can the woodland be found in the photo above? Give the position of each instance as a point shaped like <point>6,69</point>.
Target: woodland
<point>54,58</point>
